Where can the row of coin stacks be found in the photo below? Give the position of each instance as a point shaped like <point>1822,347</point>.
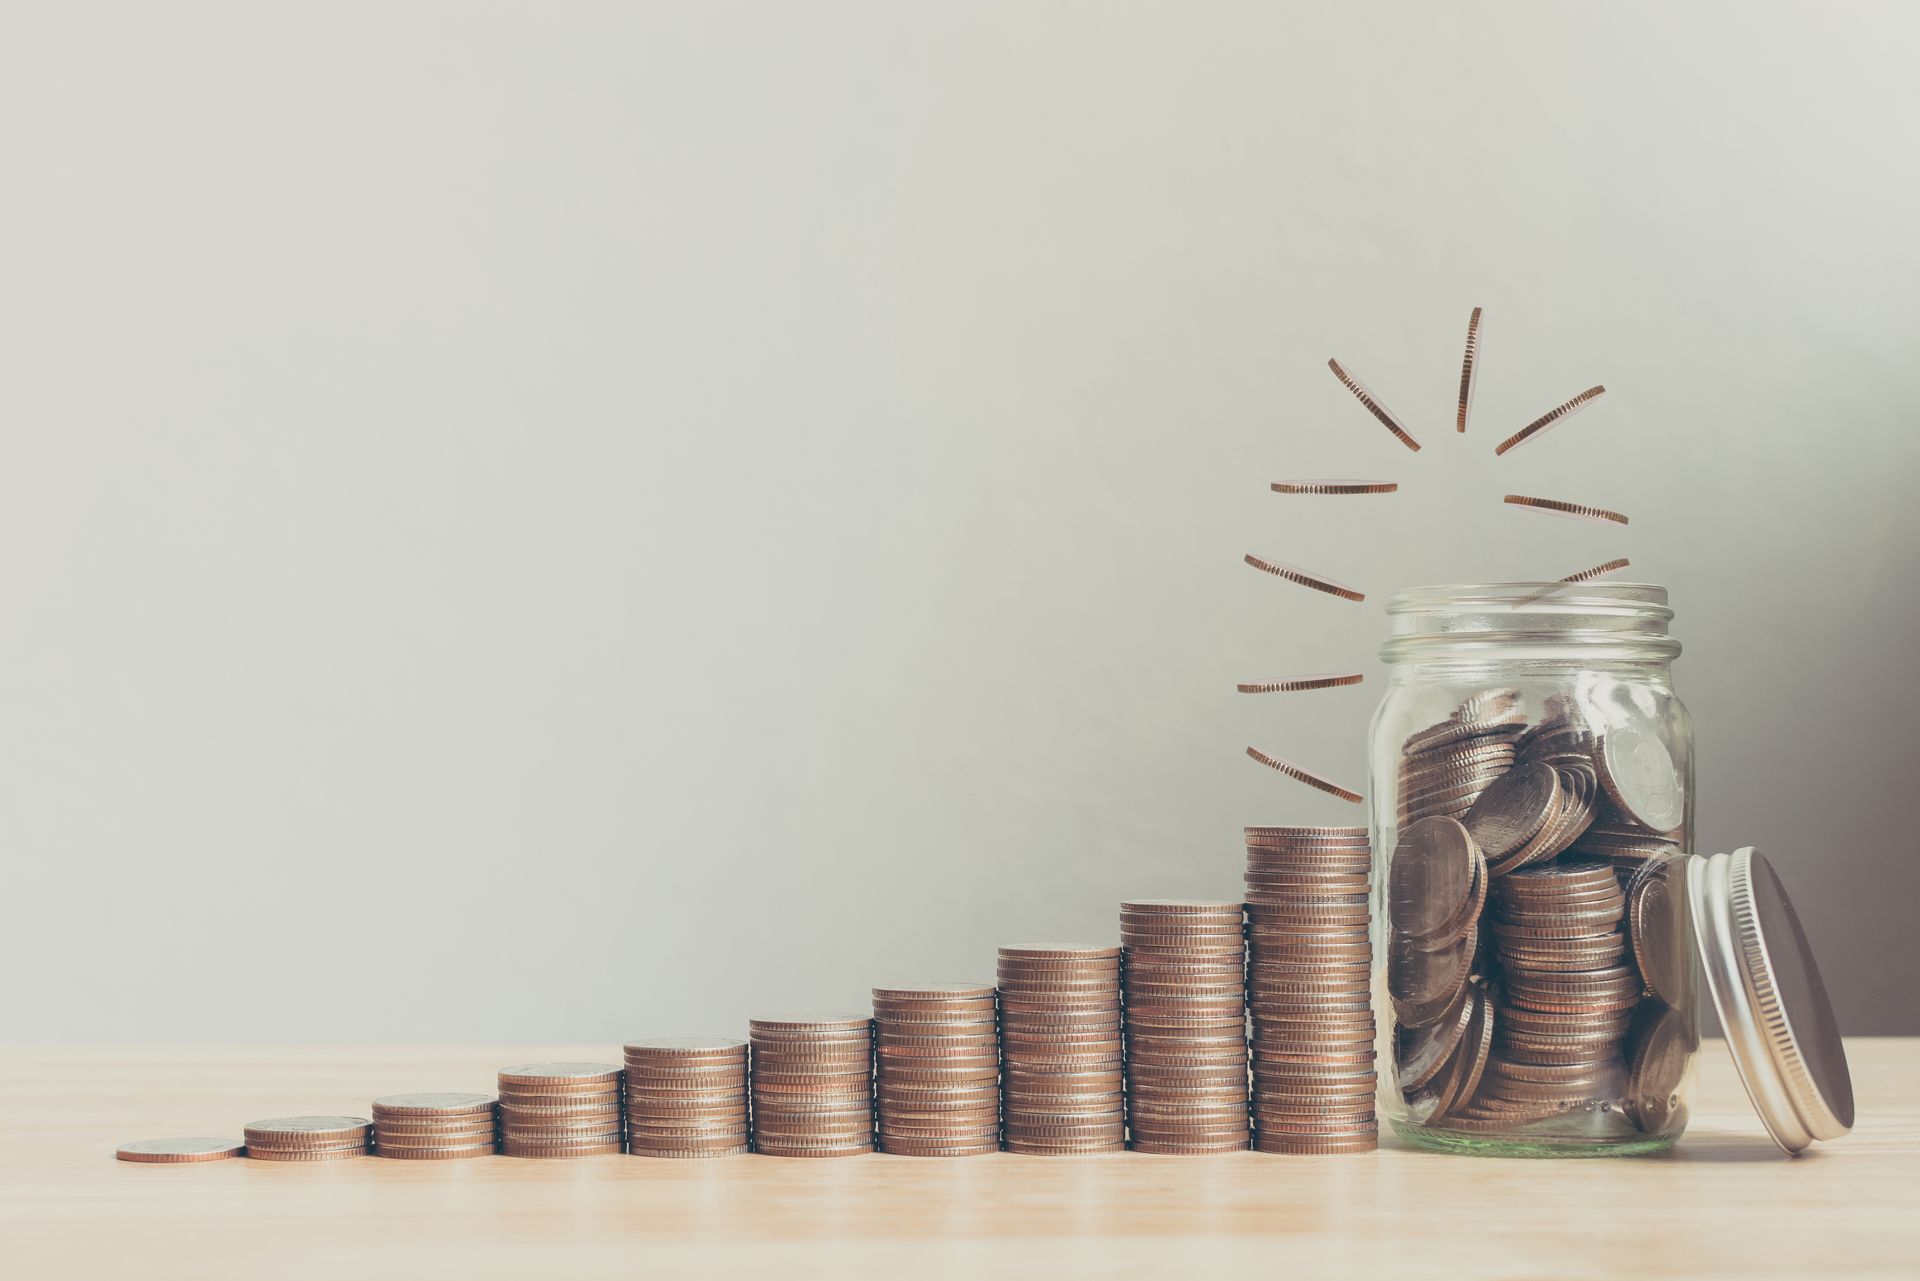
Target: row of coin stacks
<point>1075,1050</point>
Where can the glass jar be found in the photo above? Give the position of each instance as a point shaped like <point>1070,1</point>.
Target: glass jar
<point>1532,794</point>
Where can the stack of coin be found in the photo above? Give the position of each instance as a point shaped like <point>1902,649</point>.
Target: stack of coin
<point>560,1109</point>
<point>812,1079</point>
<point>1308,989</point>
<point>1060,1046</point>
<point>1444,769</point>
<point>1185,1000</point>
<point>1436,893</point>
<point>1570,988</point>
<point>435,1127</point>
<point>1628,846</point>
<point>937,1070</point>
<point>309,1138</point>
<point>686,1097</point>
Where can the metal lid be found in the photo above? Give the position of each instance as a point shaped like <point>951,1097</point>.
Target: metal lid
<point>1766,985</point>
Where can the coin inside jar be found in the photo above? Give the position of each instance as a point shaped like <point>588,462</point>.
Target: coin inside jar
<point>1657,925</point>
<point>1637,771</point>
<point>1514,808</point>
<point>1432,876</point>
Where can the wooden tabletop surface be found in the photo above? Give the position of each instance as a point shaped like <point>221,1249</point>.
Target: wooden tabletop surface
<point>1725,1202</point>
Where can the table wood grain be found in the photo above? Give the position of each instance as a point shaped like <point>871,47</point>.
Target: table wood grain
<point>1725,1202</point>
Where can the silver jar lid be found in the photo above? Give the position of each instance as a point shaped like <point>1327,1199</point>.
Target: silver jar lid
<point>1773,1005</point>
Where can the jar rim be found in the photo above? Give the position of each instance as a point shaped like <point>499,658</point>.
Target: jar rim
<point>1544,595</point>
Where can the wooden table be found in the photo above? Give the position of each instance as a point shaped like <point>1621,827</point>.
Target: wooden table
<point>1725,1202</point>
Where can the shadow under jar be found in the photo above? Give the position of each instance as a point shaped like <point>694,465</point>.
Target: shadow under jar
<point>1532,784</point>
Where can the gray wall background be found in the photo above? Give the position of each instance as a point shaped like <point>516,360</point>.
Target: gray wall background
<point>565,520</point>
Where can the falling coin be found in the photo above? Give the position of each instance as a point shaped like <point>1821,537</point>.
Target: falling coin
<point>1294,574</point>
<point>1470,367</point>
<point>1374,407</point>
<point>1334,486</point>
<point>1579,511</point>
<point>1293,684</point>
<point>1300,775</point>
<point>1548,419</point>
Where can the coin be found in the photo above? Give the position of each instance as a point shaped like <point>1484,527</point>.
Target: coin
<point>1294,684</point>
<point>1469,368</point>
<point>1513,809</point>
<point>289,1131</point>
<point>1431,877</point>
<point>1637,770</point>
<point>1380,412</point>
<point>559,1074</point>
<point>1333,486</point>
<point>432,1105</point>
<point>186,1151</point>
<point>1305,578</point>
<point>1555,506</point>
<point>1557,414</point>
<point>1302,775</point>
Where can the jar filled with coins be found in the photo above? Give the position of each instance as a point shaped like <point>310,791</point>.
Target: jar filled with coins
<point>1532,792</point>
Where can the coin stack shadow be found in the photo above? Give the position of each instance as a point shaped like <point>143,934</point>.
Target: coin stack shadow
<point>686,1097</point>
<point>1184,991</point>
<point>937,1069</point>
<point>812,1080</point>
<point>435,1127</point>
<point>553,1110</point>
<point>309,1138</point>
<point>1309,989</point>
<point>1062,1060</point>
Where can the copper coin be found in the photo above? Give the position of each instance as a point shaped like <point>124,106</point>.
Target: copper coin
<point>1431,877</point>
<point>1424,985</point>
<point>303,1130</point>
<point>1384,416</point>
<point>307,1154</point>
<point>1555,506</point>
<point>1305,578</point>
<point>1555,415</point>
<point>1469,368</point>
<point>1329,487</point>
<point>186,1151</point>
<point>1302,775</point>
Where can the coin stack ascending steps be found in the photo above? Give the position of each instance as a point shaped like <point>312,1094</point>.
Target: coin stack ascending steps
<point>309,1138</point>
<point>435,1127</point>
<point>560,1110</point>
<point>686,1097</point>
<point>937,1069</point>
<point>1308,989</point>
<point>1062,1084</point>
<point>812,1080</point>
<point>1185,997</point>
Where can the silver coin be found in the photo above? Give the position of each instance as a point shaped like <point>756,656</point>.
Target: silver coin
<point>1637,770</point>
<point>433,1102</point>
<point>307,1124</point>
<point>562,1071</point>
<point>1514,808</point>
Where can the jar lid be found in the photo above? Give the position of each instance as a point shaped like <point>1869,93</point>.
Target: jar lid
<point>1773,1005</point>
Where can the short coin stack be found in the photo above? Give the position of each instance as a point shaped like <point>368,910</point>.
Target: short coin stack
<point>435,1127</point>
<point>309,1138</point>
<point>686,1097</point>
<point>1185,1000</point>
<point>937,1070</point>
<point>560,1109</point>
<point>1442,769</point>
<point>1570,991</point>
<point>1062,1085</point>
<point>812,1077</point>
<point>1308,989</point>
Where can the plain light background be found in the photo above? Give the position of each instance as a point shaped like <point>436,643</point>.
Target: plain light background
<point>565,521</point>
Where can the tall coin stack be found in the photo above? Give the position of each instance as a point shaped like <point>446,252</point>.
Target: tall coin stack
<point>309,1138</point>
<point>686,1097</point>
<point>560,1109</point>
<point>937,1070</point>
<point>435,1127</point>
<point>1308,989</point>
<point>1186,1019</point>
<point>1062,1084</point>
<point>1569,993</point>
<point>812,1079</point>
